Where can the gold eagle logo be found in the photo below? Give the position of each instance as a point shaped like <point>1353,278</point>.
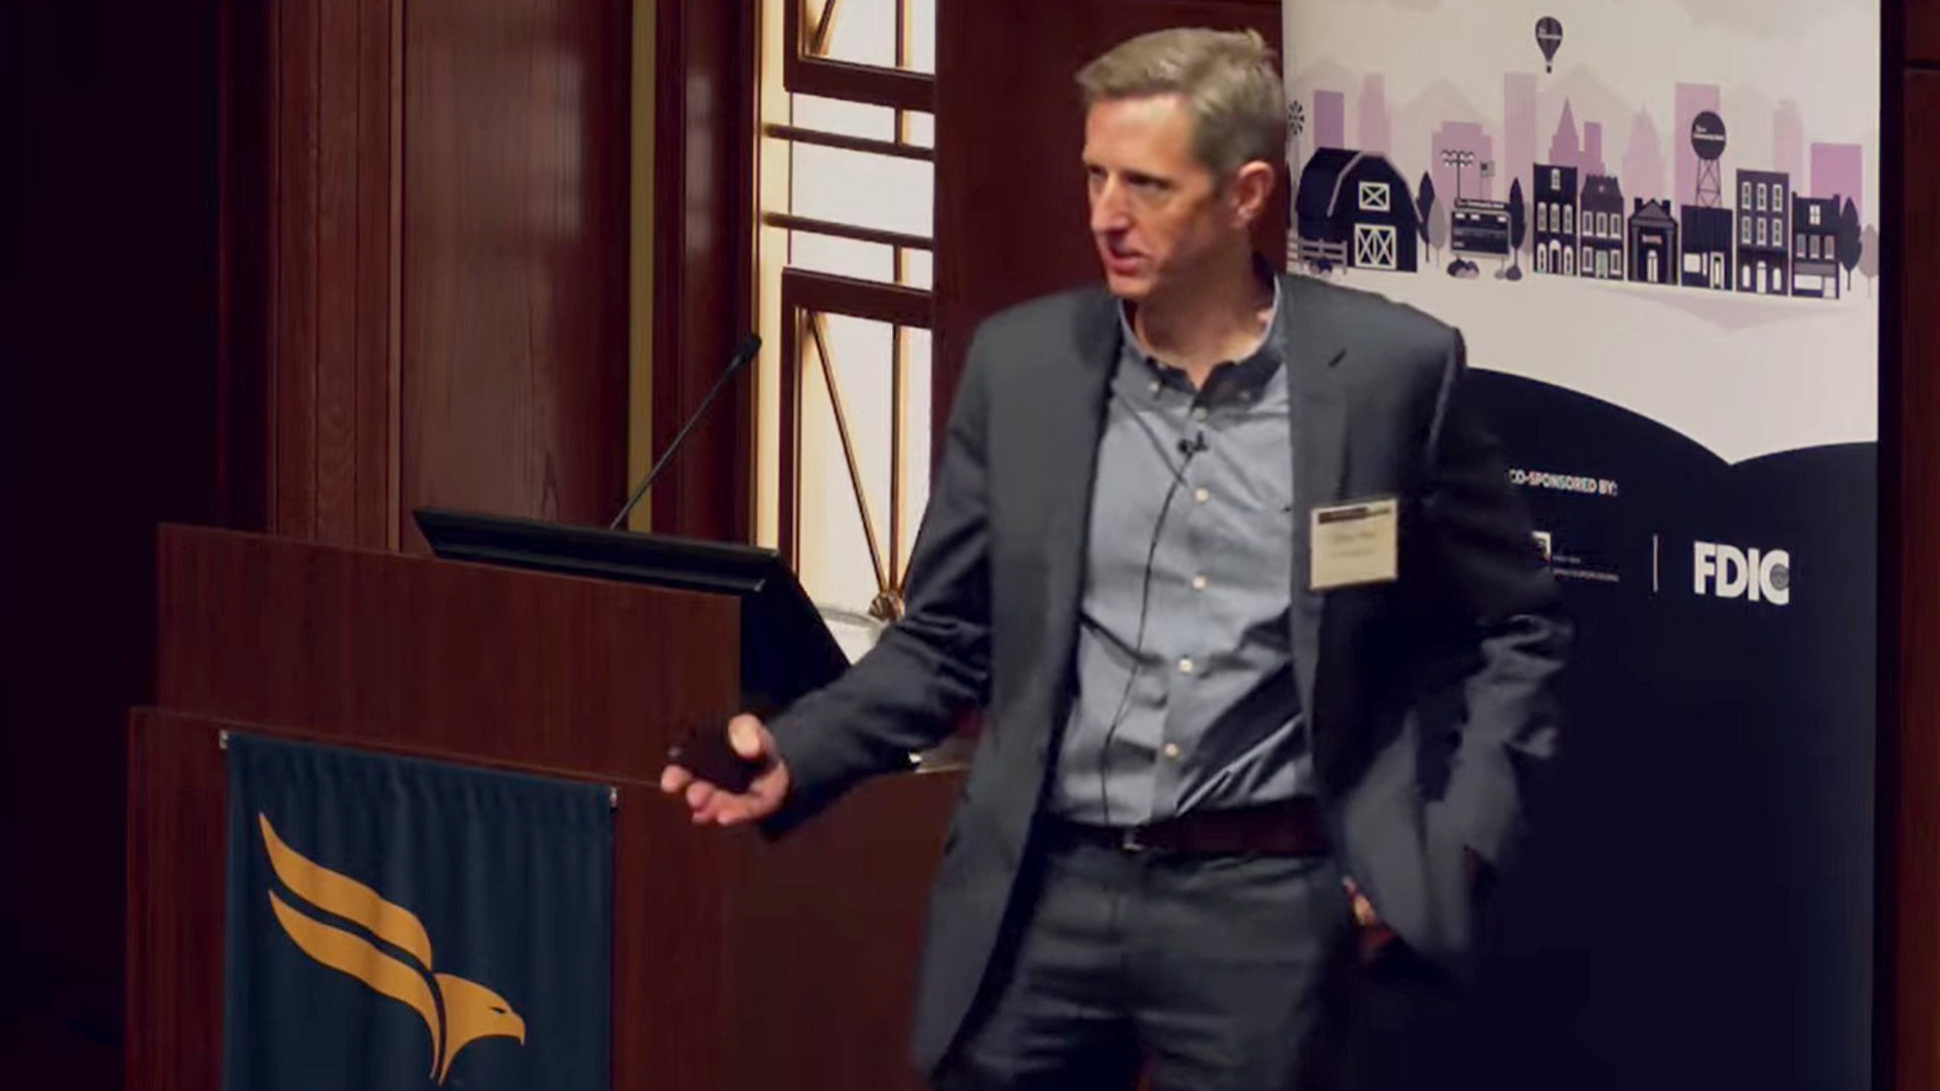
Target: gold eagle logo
<point>457,1012</point>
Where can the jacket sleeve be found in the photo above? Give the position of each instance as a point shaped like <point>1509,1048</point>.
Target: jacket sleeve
<point>907,692</point>
<point>1481,534</point>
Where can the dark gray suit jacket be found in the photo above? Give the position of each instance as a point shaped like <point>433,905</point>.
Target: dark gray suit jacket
<point>1379,409</point>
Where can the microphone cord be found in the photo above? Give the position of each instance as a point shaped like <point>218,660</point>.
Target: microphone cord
<point>1190,449</point>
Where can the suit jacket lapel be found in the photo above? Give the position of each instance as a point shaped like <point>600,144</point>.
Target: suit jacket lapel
<point>1312,350</point>
<point>1071,467</point>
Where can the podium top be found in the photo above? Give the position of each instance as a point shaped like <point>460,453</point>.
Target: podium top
<point>787,650</point>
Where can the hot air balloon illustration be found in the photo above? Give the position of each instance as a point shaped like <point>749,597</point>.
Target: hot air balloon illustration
<point>1549,35</point>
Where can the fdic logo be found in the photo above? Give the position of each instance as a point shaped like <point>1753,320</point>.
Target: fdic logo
<point>1729,572</point>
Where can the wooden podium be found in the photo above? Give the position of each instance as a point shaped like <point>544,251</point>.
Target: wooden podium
<point>738,964</point>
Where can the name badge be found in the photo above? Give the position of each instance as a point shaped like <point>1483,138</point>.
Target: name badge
<point>1355,544</point>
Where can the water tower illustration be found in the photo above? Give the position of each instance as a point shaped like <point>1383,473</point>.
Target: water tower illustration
<point>1707,140</point>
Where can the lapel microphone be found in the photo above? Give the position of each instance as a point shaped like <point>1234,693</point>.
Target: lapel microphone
<point>1190,447</point>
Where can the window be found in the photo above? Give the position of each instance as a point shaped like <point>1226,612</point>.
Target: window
<point>1374,197</point>
<point>1616,264</point>
<point>1799,243</point>
<point>1374,246</point>
<point>843,252</point>
<point>1589,261</point>
<point>1761,197</point>
<point>1778,280</point>
<point>1744,195</point>
<point>1744,230</point>
<point>1542,216</point>
<point>1569,219</point>
<point>1761,232</point>
<point>1815,216</point>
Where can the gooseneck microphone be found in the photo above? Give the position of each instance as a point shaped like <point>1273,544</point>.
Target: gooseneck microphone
<point>743,352</point>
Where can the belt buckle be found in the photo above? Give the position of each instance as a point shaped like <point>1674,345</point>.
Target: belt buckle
<point>1130,841</point>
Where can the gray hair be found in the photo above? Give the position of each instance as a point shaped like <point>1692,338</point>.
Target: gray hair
<point>1228,80</point>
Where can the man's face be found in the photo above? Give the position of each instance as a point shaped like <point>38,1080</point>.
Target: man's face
<point>1157,213</point>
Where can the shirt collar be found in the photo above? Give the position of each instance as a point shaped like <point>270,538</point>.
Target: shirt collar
<point>1249,374</point>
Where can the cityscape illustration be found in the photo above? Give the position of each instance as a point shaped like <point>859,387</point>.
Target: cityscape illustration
<point>1437,187</point>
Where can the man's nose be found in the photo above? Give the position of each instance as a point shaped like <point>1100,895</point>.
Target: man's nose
<point>1108,208</point>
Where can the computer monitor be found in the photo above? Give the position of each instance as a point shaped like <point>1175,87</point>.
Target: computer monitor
<point>787,650</point>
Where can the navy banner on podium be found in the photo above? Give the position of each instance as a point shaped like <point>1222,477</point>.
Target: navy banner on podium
<point>401,924</point>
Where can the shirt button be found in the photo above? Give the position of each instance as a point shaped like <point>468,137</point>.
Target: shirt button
<point>1201,496</point>
<point>1172,751</point>
<point>1198,583</point>
<point>1154,388</point>
<point>1199,413</point>
<point>1185,666</point>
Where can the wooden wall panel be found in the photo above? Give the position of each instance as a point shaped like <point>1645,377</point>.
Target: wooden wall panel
<point>703,292</point>
<point>515,213</point>
<point>1911,950</point>
<point>1004,73</point>
<point>318,216</point>
<point>1922,29</point>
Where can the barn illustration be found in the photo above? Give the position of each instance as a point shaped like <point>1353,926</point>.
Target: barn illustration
<point>1354,209</point>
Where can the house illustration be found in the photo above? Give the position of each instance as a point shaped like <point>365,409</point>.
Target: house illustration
<point>1706,241</point>
<point>1354,209</point>
<point>1556,242</point>
<point>1763,247</point>
<point>1601,228</point>
<point>1653,242</point>
<point>1815,246</point>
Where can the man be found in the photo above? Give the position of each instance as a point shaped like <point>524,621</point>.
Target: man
<point>1201,546</point>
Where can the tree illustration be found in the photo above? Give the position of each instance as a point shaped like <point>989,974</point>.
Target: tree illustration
<point>1425,209</point>
<point>1438,228</point>
<point>1849,240</point>
<point>1869,256</point>
<point>1518,224</point>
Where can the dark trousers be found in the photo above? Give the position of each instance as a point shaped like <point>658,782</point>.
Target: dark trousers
<point>1207,973</point>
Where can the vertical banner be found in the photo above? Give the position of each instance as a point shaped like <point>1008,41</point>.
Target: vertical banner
<point>1657,223</point>
<point>395,925</point>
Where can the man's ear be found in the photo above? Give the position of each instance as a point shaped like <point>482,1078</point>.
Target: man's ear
<point>1251,188</point>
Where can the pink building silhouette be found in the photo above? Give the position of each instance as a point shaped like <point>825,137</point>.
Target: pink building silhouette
<point>1565,148</point>
<point>1788,139</point>
<point>1330,119</point>
<point>1592,160</point>
<point>1464,136</point>
<point>1374,115</point>
<point>1839,170</point>
<point>1518,126</point>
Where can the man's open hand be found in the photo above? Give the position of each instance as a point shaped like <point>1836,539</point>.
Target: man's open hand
<point>714,806</point>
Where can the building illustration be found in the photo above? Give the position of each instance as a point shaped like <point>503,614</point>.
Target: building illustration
<point>1815,246</point>
<point>1653,243</point>
<point>1555,200</point>
<point>1706,241</point>
<point>1763,247</point>
<point>1672,213</point>
<point>1354,210</point>
<point>1601,228</point>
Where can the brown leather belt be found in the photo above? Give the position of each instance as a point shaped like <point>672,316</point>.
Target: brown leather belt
<point>1288,828</point>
